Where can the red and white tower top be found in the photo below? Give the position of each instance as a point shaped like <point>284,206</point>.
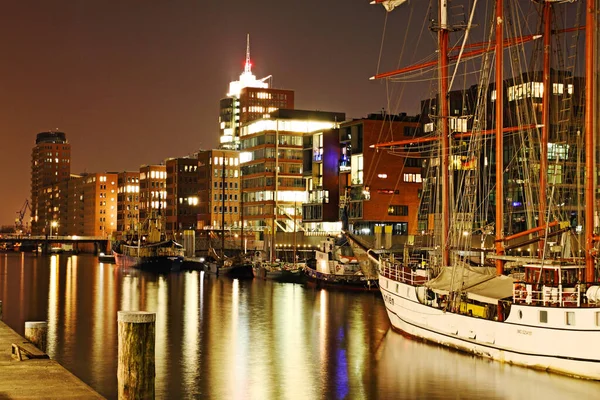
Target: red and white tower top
<point>247,78</point>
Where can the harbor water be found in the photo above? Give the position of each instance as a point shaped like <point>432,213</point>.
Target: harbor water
<point>220,338</point>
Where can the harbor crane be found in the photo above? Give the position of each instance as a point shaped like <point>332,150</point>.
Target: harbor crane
<point>19,226</point>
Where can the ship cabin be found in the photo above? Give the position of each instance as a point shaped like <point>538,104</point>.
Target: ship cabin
<point>550,285</point>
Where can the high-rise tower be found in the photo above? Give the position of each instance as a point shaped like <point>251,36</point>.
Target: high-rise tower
<point>50,165</point>
<point>248,99</point>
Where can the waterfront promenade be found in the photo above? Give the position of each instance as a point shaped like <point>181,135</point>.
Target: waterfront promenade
<point>36,378</point>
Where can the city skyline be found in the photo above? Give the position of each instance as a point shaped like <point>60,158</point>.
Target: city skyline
<point>132,86</point>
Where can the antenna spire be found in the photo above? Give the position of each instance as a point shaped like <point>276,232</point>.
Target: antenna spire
<point>248,67</point>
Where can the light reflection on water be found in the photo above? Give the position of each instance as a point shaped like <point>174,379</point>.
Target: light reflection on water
<point>228,339</point>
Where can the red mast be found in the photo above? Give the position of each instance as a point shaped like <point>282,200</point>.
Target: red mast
<point>590,147</point>
<point>499,136</point>
<point>445,142</point>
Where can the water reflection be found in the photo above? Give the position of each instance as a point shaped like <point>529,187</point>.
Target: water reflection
<point>52,308</point>
<point>228,339</point>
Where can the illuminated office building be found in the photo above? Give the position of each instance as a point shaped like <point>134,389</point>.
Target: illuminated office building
<point>248,99</point>
<point>153,192</point>
<point>219,189</point>
<point>92,205</point>
<point>273,188</point>
<point>128,199</point>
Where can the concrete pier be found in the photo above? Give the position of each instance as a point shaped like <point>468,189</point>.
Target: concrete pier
<point>37,378</point>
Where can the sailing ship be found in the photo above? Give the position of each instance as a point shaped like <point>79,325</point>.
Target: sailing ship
<point>149,249</point>
<point>505,262</point>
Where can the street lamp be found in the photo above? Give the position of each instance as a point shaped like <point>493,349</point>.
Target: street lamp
<point>53,224</point>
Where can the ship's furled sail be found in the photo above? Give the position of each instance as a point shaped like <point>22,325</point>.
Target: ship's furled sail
<point>389,4</point>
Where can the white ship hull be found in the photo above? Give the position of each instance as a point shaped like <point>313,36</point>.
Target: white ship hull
<point>572,349</point>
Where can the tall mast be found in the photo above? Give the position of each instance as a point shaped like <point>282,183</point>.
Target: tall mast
<point>547,84</point>
<point>499,135</point>
<point>590,145</point>
<point>243,242</point>
<point>295,243</point>
<point>223,207</point>
<point>274,225</point>
<point>445,142</point>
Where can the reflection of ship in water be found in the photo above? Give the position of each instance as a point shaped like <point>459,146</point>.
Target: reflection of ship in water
<point>153,252</point>
<point>418,370</point>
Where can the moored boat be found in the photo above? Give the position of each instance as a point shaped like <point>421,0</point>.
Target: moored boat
<point>331,269</point>
<point>152,251</point>
<point>280,271</point>
<point>469,286</point>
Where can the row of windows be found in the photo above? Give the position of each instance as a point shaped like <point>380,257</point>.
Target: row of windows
<point>231,210</point>
<point>153,175</point>
<point>219,185</point>
<point>188,168</point>
<point>413,178</point>
<point>231,197</point>
<point>231,173</point>
<point>398,210</point>
<point>569,317</point>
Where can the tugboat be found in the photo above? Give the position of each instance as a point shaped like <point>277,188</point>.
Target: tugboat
<point>151,251</point>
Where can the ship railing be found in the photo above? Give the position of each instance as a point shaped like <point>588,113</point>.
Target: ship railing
<point>542,295</point>
<point>403,273</point>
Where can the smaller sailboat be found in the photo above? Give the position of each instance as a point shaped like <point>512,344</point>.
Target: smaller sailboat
<point>218,263</point>
<point>149,249</point>
<point>275,269</point>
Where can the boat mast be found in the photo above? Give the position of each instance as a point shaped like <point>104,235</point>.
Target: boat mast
<point>295,242</point>
<point>223,207</point>
<point>445,142</point>
<point>499,135</point>
<point>274,225</point>
<point>547,85</point>
<point>243,242</point>
<point>590,101</point>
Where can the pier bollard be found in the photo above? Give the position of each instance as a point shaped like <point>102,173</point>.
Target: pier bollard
<point>37,332</point>
<point>136,368</point>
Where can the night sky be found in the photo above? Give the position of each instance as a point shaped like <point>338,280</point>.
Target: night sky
<point>134,82</point>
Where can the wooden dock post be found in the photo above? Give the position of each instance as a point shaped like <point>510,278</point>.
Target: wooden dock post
<point>136,368</point>
<point>37,332</point>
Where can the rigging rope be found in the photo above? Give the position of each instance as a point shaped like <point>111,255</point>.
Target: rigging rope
<point>462,47</point>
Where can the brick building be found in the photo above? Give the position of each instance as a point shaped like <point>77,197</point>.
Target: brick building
<point>50,164</point>
<point>378,188</point>
<point>182,194</point>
